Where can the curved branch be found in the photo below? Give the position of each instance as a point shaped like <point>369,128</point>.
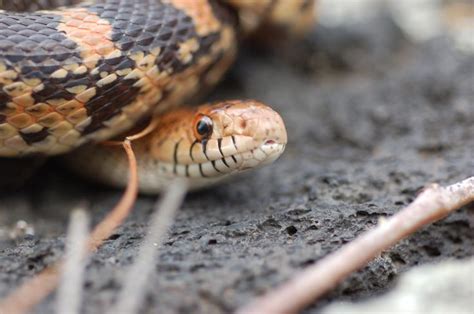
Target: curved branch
<point>433,203</point>
<point>36,289</point>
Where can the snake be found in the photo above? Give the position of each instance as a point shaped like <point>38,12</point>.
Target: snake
<point>75,73</point>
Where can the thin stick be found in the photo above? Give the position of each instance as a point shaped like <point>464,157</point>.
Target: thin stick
<point>34,290</point>
<point>72,274</point>
<point>147,130</point>
<point>134,290</point>
<point>432,204</point>
<point>115,217</point>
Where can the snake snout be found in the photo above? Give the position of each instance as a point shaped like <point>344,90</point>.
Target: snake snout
<point>258,131</point>
<point>272,150</point>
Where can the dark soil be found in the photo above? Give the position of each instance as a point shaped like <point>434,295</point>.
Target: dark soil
<point>371,117</point>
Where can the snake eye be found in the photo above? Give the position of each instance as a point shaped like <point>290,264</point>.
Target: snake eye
<point>203,127</point>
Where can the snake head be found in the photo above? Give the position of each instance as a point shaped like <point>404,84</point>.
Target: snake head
<point>215,140</point>
<point>247,128</point>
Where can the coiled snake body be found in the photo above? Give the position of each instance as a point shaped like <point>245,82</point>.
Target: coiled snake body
<point>88,71</point>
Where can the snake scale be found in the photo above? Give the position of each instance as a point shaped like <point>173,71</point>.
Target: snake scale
<point>80,72</point>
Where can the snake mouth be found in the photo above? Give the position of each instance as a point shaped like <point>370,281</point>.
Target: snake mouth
<point>265,154</point>
<point>218,164</point>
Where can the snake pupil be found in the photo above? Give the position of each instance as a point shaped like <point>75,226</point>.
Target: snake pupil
<point>204,126</point>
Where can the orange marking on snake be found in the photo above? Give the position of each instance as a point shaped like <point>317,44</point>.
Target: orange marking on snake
<point>90,32</point>
<point>201,12</point>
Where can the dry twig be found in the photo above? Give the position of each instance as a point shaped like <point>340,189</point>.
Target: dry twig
<point>33,291</point>
<point>72,274</point>
<point>134,290</point>
<point>152,125</point>
<point>432,204</point>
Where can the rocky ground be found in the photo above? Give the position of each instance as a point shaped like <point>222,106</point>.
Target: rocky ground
<point>371,118</point>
